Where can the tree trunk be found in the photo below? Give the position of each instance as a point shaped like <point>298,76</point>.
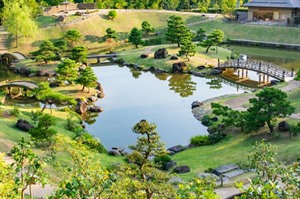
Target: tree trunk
<point>217,50</point>
<point>82,88</point>
<point>17,38</point>
<point>50,109</point>
<point>44,107</point>
<point>207,49</point>
<point>187,57</point>
<point>270,126</point>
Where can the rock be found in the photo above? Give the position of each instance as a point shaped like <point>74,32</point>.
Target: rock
<point>92,98</point>
<point>135,66</point>
<point>41,73</point>
<point>182,169</point>
<point>23,125</point>
<point>196,104</point>
<point>120,61</point>
<point>50,74</point>
<point>100,95</point>
<point>54,84</point>
<point>208,175</point>
<point>221,127</point>
<point>214,119</point>
<point>178,67</point>
<point>234,173</point>
<point>96,109</point>
<point>161,53</point>
<point>170,165</point>
<point>212,129</point>
<point>144,55</point>
<point>114,153</point>
<point>197,74</point>
<point>225,168</point>
<point>175,180</point>
<point>215,71</point>
<point>283,126</point>
<point>99,87</point>
<point>176,149</point>
<point>81,106</point>
<point>61,18</point>
<point>201,67</point>
<point>173,57</point>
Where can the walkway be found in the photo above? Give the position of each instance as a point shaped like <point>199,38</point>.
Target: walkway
<point>23,84</point>
<point>3,40</point>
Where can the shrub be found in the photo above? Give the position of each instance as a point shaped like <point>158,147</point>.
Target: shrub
<point>91,142</point>
<point>298,76</point>
<point>154,41</point>
<point>295,129</point>
<point>15,111</point>
<point>206,120</point>
<point>215,137</point>
<point>162,161</point>
<point>200,140</point>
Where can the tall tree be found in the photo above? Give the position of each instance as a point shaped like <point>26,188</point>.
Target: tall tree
<point>45,52</point>
<point>67,70</point>
<point>147,28</point>
<point>200,37</point>
<point>17,19</point>
<point>87,78</point>
<point>176,29</point>
<point>111,34</point>
<point>269,105</point>
<point>7,183</point>
<point>135,37</point>
<point>72,36</point>
<point>213,39</point>
<point>79,54</point>
<point>204,5</point>
<point>112,14</point>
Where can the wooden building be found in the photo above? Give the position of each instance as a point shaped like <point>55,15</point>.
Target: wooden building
<point>273,10</point>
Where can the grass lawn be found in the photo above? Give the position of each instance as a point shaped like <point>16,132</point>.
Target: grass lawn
<point>294,98</point>
<point>234,149</point>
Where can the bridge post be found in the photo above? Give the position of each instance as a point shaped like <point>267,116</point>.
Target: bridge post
<point>246,73</point>
<point>283,75</point>
<point>259,77</point>
<point>242,73</point>
<point>268,78</point>
<point>238,73</point>
<point>259,66</point>
<point>219,63</point>
<point>238,62</point>
<point>292,72</point>
<point>98,60</point>
<point>264,78</point>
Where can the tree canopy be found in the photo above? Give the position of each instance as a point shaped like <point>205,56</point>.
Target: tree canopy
<point>45,52</point>
<point>135,37</point>
<point>147,28</point>
<point>213,39</point>
<point>87,78</point>
<point>67,70</point>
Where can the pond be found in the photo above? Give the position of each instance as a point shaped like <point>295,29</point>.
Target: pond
<point>162,99</point>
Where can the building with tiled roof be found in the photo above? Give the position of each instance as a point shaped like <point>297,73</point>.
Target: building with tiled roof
<point>273,10</point>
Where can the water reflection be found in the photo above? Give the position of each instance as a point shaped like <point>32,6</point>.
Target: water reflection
<point>182,84</point>
<point>135,73</point>
<point>90,117</point>
<point>215,82</point>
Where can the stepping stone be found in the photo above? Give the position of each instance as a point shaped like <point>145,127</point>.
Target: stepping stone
<point>225,168</point>
<point>235,173</point>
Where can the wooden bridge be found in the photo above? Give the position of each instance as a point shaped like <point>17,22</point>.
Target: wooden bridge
<point>265,69</point>
<point>98,57</point>
<point>22,86</point>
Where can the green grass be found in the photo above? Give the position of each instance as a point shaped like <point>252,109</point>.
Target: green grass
<point>46,20</point>
<point>289,35</point>
<point>233,149</point>
<point>294,98</point>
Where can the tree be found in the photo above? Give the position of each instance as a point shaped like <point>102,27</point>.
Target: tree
<point>112,14</point>
<point>187,48</point>
<point>147,28</point>
<point>176,30</point>
<point>200,37</point>
<point>111,34</point>
<point>79,54</point>
<point>17,19</point>
<point>45,52</point>
<point>72,36</point>
<point>27,167</point>
<point>213,39</point>
<point>87,78</point>
<point>135,37</point>
<point>61,45</point>
<point>67,70</point>
<point>7,183</point>
<point>269,105</point>
<point>204,5</point>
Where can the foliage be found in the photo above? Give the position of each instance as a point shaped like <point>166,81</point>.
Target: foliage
<point>79,54</point>
<point>7,184</point>
<point>112,14</point>
<point>147,28</point>
<point>162,160</point>
<point>200,37</point>
<point>269,105</point>
<point>27,167</point>
<point>67,71</point>
<point>135,37</point>
<point>17,19</point>
<point>187,48</point>
<point>295,129</point>
<point>297,75</point>
<point>87,78</point>
<point>91,142</point>
<point>72,36</point>
<point>73,124</point>
<point>176,30</point>
<point>110,33</point>
<point>15,111</point>
<point>213,39</point>
<point>61,45</point>
<point>202,140</point>
<point>206,120</point>
<point>85,177</point>
<point>41,132</point>
<point>45,52</point>
<point>198,188</point>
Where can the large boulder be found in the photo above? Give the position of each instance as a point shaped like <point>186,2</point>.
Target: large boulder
<point>182,169</point>
<point>114,153</point>
<point>92,98</point>
<point>215,71</point>
<point>283,126</point>
<point>170,165</point>
<point>81,106</point>
<point>201,67</point>
<point>173,57</point>
<point>144,55</point>
<point>176,149</point>
<point>179,67</point>
<point>24,125</point>
<point>161,53</point>
<point>196,104</point>
<point>97,109</point>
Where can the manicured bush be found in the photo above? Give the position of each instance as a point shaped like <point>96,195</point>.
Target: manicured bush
<point>295,129</point>
<point>15,111</point>
<point>92,142</point>
<point>200,140</point>
<point>206,120</point>
<point>162,161</point>
<point>153,41</point>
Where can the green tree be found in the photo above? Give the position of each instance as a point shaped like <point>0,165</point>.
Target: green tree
<point>45,52</point>
<point>200,37</point>
<point>67,70</point>
<point>61,45</point>
<point>187,48</point>
<point>17,19</point>
<point>79,54</point>
<point>204,5</point>
<point>27,167</point>
<point>269,105</point>
<point>176,30</point>
<point>213,39</point>
<point>111,34</point>
<point>7,183</point>
<point>147,28</point>
<point>87,78</point>
<point>112,14</point>
<point>135,37</point>
<point>72,36</point>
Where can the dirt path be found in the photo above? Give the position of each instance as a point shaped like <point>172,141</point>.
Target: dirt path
<point>3,40</point>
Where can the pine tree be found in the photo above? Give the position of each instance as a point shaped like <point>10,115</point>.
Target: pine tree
<point>187,48</point>
<point>135,37</point>
<point>87,78</point>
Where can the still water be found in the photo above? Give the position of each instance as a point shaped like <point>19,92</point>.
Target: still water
<point>161,99</point>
